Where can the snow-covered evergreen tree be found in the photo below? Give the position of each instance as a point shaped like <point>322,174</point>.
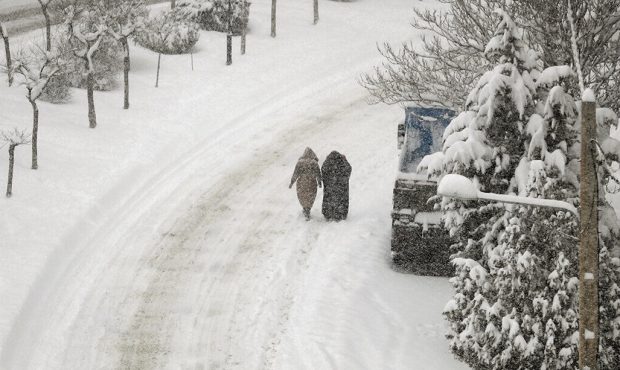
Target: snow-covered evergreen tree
<point>516,303</point>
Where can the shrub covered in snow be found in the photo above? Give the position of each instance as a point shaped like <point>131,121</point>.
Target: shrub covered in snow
<point>107,66</point>
<point>57,90</point>
<point>168,34</point>
<point>516,301</point>
<point>213,15</point>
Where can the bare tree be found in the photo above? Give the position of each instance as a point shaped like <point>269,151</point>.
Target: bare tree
<point>173,4</point>
<point>446,67</point>
<point>123,20</point>
<point>36,68</point>
<point>13,139</point>
<point>273,18</point>
<point>316,11</point>
<point>48,23</point>
<point>7,49</point>
<point>88,38</point>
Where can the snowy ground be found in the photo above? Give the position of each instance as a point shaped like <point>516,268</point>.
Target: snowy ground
<point>8,4</point>
<point>167,237</point>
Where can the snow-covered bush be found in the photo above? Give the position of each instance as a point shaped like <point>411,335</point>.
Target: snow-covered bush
<point>57,90</point>
<point>516,304</point>
<point>168,34</point>
<point>213,15</point>
<point>107,66</point>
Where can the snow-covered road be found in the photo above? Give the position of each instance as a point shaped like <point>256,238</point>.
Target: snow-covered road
<point>198,257</point>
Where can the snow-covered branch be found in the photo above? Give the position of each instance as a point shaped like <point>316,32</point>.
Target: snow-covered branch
<point>36,68</point>
<point>15,137</point>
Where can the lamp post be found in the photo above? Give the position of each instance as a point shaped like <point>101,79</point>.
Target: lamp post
<point>588,238</point>
<point>229,36</point>
<point>460,187</point>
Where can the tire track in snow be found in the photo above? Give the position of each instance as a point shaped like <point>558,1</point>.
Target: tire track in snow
<point>147,341</point>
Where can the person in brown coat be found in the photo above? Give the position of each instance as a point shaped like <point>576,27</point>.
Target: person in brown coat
<point>307,174</point>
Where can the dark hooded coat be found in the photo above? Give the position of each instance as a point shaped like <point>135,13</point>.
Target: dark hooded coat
<point>307,174</point>
<point>336,171</point>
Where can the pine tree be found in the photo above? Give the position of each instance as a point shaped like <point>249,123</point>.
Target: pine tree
<point>516,302</point>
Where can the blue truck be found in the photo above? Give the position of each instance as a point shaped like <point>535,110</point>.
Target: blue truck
<point>419,242</point>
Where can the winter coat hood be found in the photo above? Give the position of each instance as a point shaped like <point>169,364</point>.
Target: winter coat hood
<point>309,154</point>
<point>336,157</point>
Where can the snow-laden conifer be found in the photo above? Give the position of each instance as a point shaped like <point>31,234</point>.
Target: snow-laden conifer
<point>516,303</point>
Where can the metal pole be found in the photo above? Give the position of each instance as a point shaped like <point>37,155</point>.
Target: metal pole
<point>229,36</point>
<point>588,242</point>
<point>273,18</point>
<point>316,11</point>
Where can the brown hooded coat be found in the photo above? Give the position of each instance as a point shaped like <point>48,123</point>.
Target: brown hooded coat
<point>307,174</point>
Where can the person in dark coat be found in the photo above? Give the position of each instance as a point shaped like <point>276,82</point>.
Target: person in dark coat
<point>307,174</point>
<point>336,171</point>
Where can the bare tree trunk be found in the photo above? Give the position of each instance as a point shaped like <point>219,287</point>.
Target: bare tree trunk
<point>588,243</point>
<point>229,36</point>
<point>9,186</point>
<point>48,28</point>
<point>90,87</point>
<point>126,71</point>
<point>173,3</point>
<point>229,48</point>
<point>316,11</point>
<point>158,65</point>
<point>243,34</point>
<point>273,18</point>
<point>7,49</point>
<point>191,55</point>
<point>35,133</point>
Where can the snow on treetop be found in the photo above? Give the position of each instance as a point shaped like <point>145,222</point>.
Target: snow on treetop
<point>588,96</point>
<point>553,75</point>
<point>559,98</point>
<point>504,77</point>
<point>507,44</point>
<point>458,123</point>
<point>432,163</point>
<point>606,117</point>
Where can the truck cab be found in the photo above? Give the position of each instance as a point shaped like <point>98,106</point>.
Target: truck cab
<point>419,242</point>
